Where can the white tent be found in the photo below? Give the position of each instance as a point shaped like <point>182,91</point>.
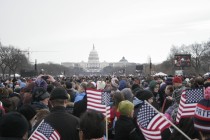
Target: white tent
<point>16,75</point>
<point>206,74</point>
<point>160,74</point>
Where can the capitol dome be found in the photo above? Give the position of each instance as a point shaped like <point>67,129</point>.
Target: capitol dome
<point>93,56</point>
<point>123,60</point>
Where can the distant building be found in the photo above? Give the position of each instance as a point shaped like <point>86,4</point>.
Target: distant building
<point>94,65</point>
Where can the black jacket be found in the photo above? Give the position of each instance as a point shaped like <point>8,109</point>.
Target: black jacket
<point>10,138</point>
<point>80,107</point>
<point>66,124</point>
<point>125,129</point>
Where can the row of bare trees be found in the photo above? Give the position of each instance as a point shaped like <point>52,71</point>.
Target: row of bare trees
<point>11,60</point>
<point>200,58</point>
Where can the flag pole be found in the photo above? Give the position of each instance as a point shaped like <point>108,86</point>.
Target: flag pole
<point>36,129</point>
<point>106,121</point>
<point>106,128</point>
<point>169,121</point>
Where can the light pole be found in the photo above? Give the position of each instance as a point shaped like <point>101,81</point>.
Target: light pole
<point>150,66</point>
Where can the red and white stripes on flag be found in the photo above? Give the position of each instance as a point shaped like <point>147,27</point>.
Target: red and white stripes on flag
<point>95,101</point>
<point>151,135</point>
<point>151,122</point>
<point>45,132</point>
<point>188,102</point>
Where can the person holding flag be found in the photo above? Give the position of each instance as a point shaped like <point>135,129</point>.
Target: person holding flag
<point>201,117</point>
<point>59,124</point>
<point>171,112</point>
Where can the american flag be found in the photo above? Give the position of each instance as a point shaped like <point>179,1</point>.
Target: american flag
<point>45,132</point>
<point>188,102</point>
<point>151,122</point>
<point>99,101</point>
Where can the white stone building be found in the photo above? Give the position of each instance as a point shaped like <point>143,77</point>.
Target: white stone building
<point>94,65</point>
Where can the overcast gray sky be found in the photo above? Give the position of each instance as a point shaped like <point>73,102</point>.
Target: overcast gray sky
<point>136,29</point>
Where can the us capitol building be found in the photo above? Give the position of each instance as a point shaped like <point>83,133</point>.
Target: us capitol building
<point>94,65</point>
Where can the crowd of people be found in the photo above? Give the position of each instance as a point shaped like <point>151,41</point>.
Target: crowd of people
<point>48,108</point>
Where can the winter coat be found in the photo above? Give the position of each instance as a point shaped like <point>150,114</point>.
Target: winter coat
<point>80,107</point>
<point>125,129</point>
<point>64,123</point>
<point>39,105</point>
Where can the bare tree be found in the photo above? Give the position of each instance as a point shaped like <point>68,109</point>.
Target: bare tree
<point>15,59</point>
<point>11,59</point>
<point>3,58</point>
<point>198,52</point>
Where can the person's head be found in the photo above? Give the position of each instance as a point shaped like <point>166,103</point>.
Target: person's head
<point>40,94</point>
<point>68,85</point>
<point>92,125</point>
<point>169,90</point>
<point>28,111</point>
<point>202,115</point>
<point>115,83</point>
<point>117,98</point>
<point>126,108</point>
<point>177,81</point>
<point>137,80</point>
<point>82,87</point>
<point>40,82</point>
<point>145,95</point>
<point>168,81</point>
<point>3,93</point>
<point>50,87</point>
<point>154,86</point>
<point>59,97</point>
<point>199,81</point>
<point>134,88</point>
<point>14,125</point>
<point>122,84</point>
<point>127,93</point>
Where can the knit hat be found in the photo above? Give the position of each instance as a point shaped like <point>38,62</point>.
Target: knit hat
<point>134,87</point>
<point>202,113</point>
<point>94,84</point>
<point>122,84</point>
<point>114,82</point>
<point>40,94</point>
<point>13,124</point>
<point>125,107</point>
<point>169,81</point>
<point>41,83</point>
<point>144,95</point>
<point>127,93</point>
<point>177,79</point>
<point>68,85</point>
<point>152,85</point>
<point>59,93</point>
